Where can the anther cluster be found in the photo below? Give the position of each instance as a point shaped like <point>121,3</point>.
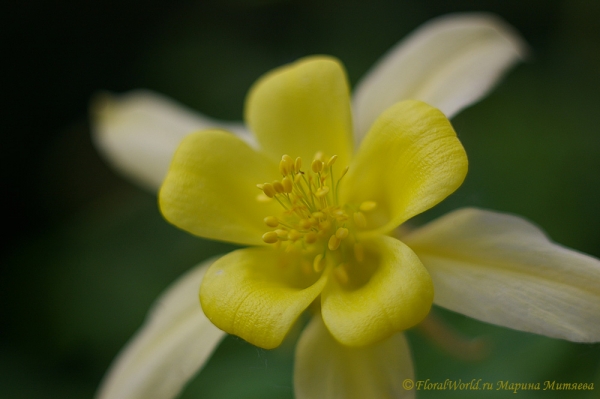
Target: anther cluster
<point>312,219</point>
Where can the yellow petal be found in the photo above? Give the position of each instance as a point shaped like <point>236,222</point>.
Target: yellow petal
<point>210,189</point>
<point>409,161</point>
<point>257,294</point>
<point>302,108</point>
<point>396,296</point>
<point>139,131</point>
<point>172,345</point>
<point>502,269</point>
<point>324,368</point>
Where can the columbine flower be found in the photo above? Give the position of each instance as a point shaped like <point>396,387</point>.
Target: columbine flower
<point>322,224</point>
<point>319,226</point>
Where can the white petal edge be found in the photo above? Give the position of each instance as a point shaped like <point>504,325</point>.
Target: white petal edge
<point>326,369</point>
<point>504,270</point>
<point>174,343</point>
<point>139,131</point>
<point>450,62</point>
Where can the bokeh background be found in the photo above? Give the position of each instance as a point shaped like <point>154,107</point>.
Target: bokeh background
<point>85,252</point>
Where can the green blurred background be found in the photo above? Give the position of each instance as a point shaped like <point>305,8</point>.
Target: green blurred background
<point>85,252</point>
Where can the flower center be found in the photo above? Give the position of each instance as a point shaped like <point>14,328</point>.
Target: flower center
<point>312,220</point>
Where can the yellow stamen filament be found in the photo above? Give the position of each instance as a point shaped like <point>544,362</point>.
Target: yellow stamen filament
<point>344,172</point>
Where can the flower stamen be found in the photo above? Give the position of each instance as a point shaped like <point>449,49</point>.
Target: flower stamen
<point>334,243</point>
<point>312,220</point>
<point>270,237</point>
<point>271,221</point>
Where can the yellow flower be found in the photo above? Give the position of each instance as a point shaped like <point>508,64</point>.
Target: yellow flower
<point>322,232</point>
